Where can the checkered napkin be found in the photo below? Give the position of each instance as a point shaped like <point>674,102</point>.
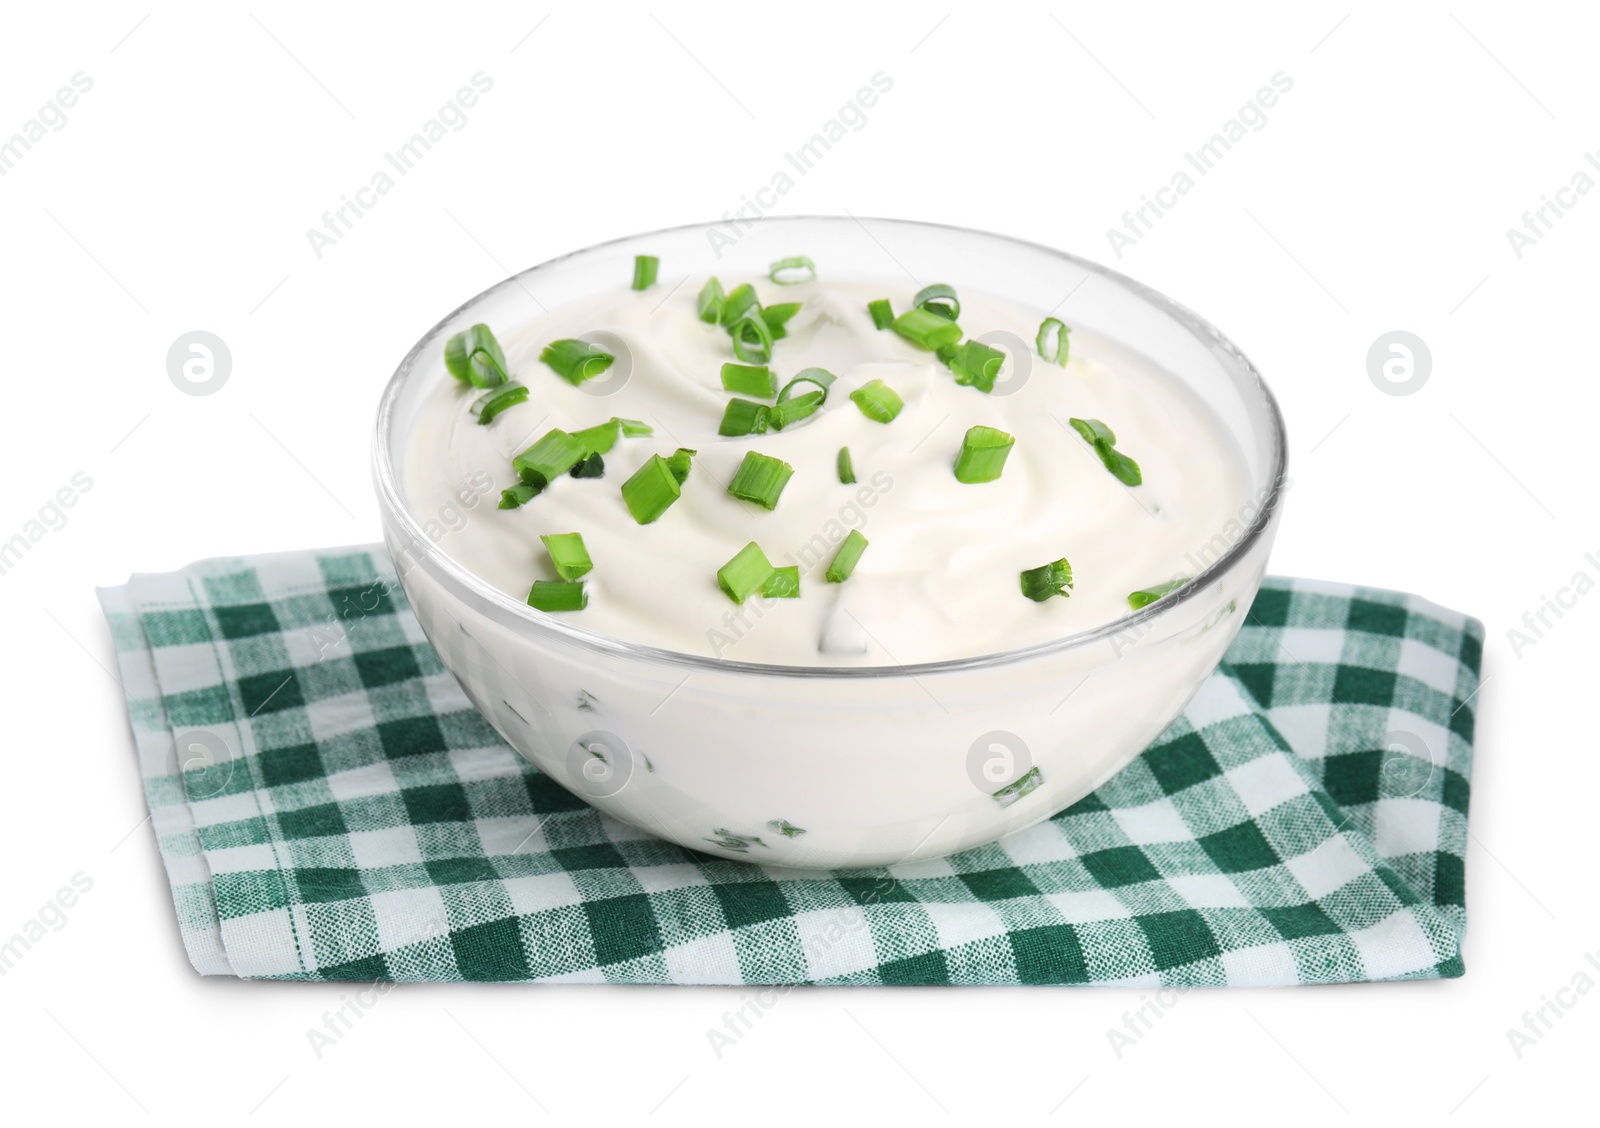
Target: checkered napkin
<point>334,808</point>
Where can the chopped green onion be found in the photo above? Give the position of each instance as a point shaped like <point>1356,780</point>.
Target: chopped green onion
<point>549,458</point>
<point>877,401</point>
<point>847,472</point>
<point>519,495</point>
<point>1094,432</point>
<point>938,299</point>
<point>633,429</point>
<point>644,271</point>
<point>474,357</point>
<point>485,372</point>
<point>1052,340</point>
<point>708,304</point>
<point>926,330</point>
<point>568,553</point>
<point>793,410</point>
<point>1146,596</point>
<point>576,361</point>
<point>882,313</point>
<point>976,365</point>
<point>819,378</point>
<point>788,271</point>
<point>1040,583</point>
<point>651,491</point>
<point>600,438</point>
<point>784,583</point>
<point>1123,468</point>
<point>749,379</point>
<point>592,466</point>
<point>849,554</point>
<point>679,463</point>
<point>740,300</point>
<point>558,595</point>
<point>752,340</point>
<point>777,316</point>
<point>743,576</point>
<point>760,478</point>
<point>983,454</point>
<point>1099,436</point>
<point>946,354</point>
<point>496,400</point>
<point>745,417</point>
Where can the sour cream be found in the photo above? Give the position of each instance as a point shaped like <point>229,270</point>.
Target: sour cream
<point>939,579</point>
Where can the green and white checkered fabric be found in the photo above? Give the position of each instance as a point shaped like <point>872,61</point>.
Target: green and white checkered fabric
<point>344,813</point>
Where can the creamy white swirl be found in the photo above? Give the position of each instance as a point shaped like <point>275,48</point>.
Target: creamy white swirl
<point>939,579</point>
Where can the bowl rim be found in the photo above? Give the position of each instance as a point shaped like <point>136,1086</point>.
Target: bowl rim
<point>492,600</point>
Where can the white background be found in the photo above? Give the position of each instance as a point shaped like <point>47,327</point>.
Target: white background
<point>1377,197</point>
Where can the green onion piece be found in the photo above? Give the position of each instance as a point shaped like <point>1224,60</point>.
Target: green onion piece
<point>496,400</point>
<point>882,313</point>
<point>877,401</point>
<point>946,354</point>
<point>549,458</point>
<point>793,410</point>
<point>576,361</point>
<point>938,299</point>
<point>752,340</point>
<point>749,379</point>
<point>844,562</point>
<point>742,577</point>
<point>644,271</point>
<point>519,495</point>
<point>651,491</point>
<point>745,417</point>
<point>847,472</point>
<point>679,463</point>
<point>633,429</point>
<point>474,357</point>
<point>788,271</point>
<point>926,330</point>
<point>1040,583</point>
<point>1146,596</point>
<point>740,300</point>
<point>1123,468</point>
<point>600,438</point>
<point>976,365</point>
<point>568,553</point>
<point>1094,432</point>
<point>1099,436</point>
<point>784,583</point>
<point>819,378</point>
<point>760,478</point>
<point>486,373</point>
<point>591,467</point>
<point>983,454</point>
<point>558,595</point>
<point>1052,340</point>
<point>777,316</point>
<point>708,304</point>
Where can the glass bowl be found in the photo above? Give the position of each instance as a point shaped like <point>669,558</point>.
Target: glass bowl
<point>826,767</point>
